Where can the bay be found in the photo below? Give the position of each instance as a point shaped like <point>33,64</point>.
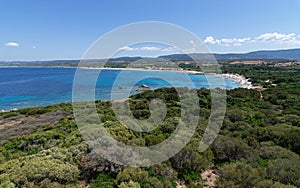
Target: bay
<point>32,87</point>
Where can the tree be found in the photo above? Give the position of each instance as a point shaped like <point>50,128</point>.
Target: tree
<point>240,175</point>
<point>228,149</point>
<point>130,184</point>
<point>35,169</point>
<point>272,184</point>
<point>131,174</point>
<point>285,171</point>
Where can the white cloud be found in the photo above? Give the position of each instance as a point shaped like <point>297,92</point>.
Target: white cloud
<point>226,42</point>
<point>233,42</point>
<point>34,47</point>
<point>126,48</point>
<point>275,36</point>
<point>170,49</point>
<point>150,48</point>
<point>209,40</point>
<point>12,44</point>
<point>288,39</point>
<point>145,48</point>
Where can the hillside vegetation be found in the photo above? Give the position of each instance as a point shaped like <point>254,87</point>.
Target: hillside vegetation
<point>258,145</point>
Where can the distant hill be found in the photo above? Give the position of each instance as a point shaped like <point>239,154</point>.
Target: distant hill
<point>270,55</point>
<point>291,54</point>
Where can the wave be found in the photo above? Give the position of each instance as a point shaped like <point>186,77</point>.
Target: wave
<point>18,81</point>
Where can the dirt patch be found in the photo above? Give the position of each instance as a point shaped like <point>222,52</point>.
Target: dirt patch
<point>180,184</point>
<point>209,178</point>
<point>9,124</point>
<point>21,124</point>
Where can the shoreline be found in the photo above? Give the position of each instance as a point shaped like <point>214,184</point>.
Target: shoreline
<point>244,82</point>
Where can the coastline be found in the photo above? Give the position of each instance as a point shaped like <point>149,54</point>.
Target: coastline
<point>244,82</point>
<point>145,69</point>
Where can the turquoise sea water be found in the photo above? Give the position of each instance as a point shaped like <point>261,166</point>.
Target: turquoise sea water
<point>31,87</point>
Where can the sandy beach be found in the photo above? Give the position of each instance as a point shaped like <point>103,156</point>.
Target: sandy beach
<point>245,83</point>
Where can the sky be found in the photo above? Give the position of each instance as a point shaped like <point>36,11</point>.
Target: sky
<point>65,29</point>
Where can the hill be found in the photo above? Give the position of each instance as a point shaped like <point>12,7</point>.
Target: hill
<point>269,55</point>
<point>291,54</point>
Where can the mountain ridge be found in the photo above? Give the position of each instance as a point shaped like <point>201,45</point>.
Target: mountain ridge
<point>287,54</point>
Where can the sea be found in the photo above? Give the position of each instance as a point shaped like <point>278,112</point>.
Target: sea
<point>32,87</point>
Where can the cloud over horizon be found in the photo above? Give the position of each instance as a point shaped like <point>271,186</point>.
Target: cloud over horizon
<point>279,38</point>
<point>144,48</point>
<point>12,44</point>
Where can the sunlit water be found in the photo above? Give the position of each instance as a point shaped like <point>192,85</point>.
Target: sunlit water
<point>31,87</point>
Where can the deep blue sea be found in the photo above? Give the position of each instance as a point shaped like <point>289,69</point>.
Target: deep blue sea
<point>31,87</point>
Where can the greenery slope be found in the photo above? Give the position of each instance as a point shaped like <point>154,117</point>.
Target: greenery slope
<point>258,145</point>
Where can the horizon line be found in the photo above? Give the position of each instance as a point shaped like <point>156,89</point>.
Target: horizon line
<point>105,58</point>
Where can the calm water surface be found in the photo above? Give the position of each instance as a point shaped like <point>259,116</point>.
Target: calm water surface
<point>31,87</point>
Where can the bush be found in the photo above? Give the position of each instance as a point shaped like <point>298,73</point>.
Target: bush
<point>285,171</point>
<point>35,169</point>
<point>103,180</point>
<point>131,174</point>
<point>228,149</point>
<point>238,174</point>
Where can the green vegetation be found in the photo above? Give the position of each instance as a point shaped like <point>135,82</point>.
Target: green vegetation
<point>258,145</point>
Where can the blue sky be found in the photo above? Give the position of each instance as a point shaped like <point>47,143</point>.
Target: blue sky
<point>64,29</point>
